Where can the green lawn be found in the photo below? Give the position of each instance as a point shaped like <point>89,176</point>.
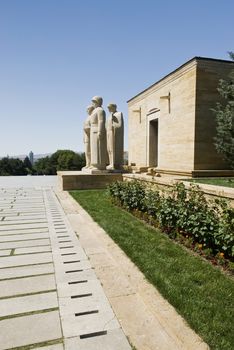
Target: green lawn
<point>227,182</point>
<point>199,292</point>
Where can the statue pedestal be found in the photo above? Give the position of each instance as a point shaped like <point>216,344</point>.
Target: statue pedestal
<point>93,171</point>
<point>97,171</point>
<point>77,180</point>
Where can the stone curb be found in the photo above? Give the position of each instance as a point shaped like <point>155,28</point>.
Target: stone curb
<point>147,319</point>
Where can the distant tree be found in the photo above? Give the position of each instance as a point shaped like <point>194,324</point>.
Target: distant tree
<point>69,160</point>
<point>79,161</point>
<point>5,168</point>
<point>43,167</point>
<point>28,165</point>
<point>60,160</point>
<point>224,140</point>
<point>12,166</point>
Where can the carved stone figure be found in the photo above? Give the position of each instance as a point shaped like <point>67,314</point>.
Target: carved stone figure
<point>115,138</point>
<point>98,135</point>
<point>87,137</point>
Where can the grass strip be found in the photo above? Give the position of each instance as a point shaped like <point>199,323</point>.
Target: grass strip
<point>202,294</point>
<point>226,182</point>
<point>39,345</point>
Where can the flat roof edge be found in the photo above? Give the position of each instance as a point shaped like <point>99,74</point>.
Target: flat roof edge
<point>196,58</point>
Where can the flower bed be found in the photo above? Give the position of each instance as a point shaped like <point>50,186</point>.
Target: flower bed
<point>186,215</point>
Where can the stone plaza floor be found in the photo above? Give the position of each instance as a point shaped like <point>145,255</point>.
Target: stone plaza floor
<point>50,296</point>
<point>64,284</point>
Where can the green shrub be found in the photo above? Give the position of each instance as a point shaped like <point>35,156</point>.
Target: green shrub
<point>130,195</point>
<point>224,236</point>
<point>181,211</point>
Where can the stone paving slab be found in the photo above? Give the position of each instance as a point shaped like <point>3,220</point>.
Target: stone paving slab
<point>113,340</point>
<point>25,260</point>
<point>22,235</point>
<point>21,226</point>
<point>28,243</point>
<point>117,286</point>
<point>25,237</point>
<point>66,259</point>
<point>51,347</point>
<point>86,274</point>
<point>131,306</point>
<point>88,324</point>
<point>22,331</point>
<point>90,287</point>
<point>18,305</point>
<point>27,285</point>
<point>43,268</point>
<point>21,221</point>
<point>11,216</point>
<point>31,250</point>
<point>24,271</point>
<point>5,252</point>
<point>82,305</point>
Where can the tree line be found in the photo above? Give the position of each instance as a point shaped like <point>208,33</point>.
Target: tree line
<point>60,160</point>
<point>224,112</point>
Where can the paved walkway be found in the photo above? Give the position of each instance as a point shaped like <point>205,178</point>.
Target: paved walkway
<point>50,296</point>
<point>51,253</point>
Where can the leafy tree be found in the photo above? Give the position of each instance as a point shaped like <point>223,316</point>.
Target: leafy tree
<point>12,166</point>
<point>43,167</point>
<point>79,160</point>
<point>224,140</point>
<point>28,165</point>
<point>60,160</point>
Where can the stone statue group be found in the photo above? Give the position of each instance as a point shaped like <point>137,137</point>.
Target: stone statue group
<point>103,139</point>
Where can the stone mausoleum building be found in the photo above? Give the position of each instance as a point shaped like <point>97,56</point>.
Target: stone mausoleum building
<point>171,125</point>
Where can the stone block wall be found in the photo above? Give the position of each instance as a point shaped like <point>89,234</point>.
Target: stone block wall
<point>209,72</point>
<point>186,127</point>
<point>176,122</point>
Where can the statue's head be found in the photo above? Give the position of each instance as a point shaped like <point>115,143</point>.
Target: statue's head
<point>90,109</point>
<point>97,101</point>
<point>112,107</point>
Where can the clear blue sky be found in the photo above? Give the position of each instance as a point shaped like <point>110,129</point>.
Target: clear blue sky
<point>56,54</point>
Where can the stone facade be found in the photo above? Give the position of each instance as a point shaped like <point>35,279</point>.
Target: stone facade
<point>171,125</point>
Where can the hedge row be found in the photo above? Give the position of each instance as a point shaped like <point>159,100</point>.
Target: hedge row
<point>181,211</point>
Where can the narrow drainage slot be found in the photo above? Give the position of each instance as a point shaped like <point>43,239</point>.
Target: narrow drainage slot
<point>81,295</point>
<point>90,335</point>
<point>76,282</point>
<point>71,262</point>
<point>73,271</point>
<point>70,246</point>
<point>63,236</point>
<point>65,241</point>
<point>68,254</point>
<point>86,313</point>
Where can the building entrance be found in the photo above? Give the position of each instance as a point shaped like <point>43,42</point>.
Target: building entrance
<point>153,143</point>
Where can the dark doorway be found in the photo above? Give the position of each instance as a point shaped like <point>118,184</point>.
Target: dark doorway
<point>153,143</point>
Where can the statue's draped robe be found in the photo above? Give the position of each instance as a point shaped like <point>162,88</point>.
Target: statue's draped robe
<point>115,139</point>
<point>98,138</point>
